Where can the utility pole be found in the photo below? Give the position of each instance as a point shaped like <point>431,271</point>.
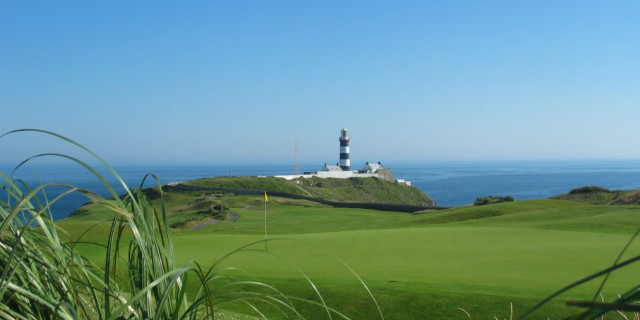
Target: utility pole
<point>297,167</point>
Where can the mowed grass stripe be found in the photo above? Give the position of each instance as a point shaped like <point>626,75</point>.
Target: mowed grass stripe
<point>504,260</point>
<point>594,218</point>
<point>543,214</point>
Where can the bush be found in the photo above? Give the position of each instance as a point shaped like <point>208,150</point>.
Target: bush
<point>589,189</point>
<point>480,201</point>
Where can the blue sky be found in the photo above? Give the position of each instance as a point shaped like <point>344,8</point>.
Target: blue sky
<point>239,81</point>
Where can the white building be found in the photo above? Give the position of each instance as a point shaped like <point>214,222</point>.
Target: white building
<point>343,170</point>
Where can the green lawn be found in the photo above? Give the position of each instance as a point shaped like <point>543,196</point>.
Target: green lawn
<point>419,266</point>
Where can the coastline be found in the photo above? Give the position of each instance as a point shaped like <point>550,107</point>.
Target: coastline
<point>450,183</point>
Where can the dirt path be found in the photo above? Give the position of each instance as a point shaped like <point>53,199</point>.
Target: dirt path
<point>233,217</point>
<point>204,224</point>
<point>307,192</point>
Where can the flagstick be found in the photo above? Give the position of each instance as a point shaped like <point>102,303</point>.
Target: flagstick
<point>265,220</point>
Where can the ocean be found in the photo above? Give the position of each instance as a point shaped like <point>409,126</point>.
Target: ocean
<point>450,183</point>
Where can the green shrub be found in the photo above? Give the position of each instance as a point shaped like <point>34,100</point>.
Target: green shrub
<point>593,195</point>
<point>481,201</point>
<point>590,189</point>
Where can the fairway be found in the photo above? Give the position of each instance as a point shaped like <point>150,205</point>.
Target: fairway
<point>518,256</point>
<point>493,258</point>
<point>480,259</point>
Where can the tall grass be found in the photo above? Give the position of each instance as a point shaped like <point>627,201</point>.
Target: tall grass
<point>42,275</point>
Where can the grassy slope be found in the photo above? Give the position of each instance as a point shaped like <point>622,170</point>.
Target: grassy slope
<point>592,197</point>
<point>632,197</point>
<point>543,214</point>
<point>348,190</point>
<point>478,258</point>
<point>602,196</point>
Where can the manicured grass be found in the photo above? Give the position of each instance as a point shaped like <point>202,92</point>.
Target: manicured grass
<point>425,265</point>
<point>543,214</point>
<point>600,219</point>
<point>415,300</point>
<point>488,259</point>
<point>296,219</point>
<point>481,267</point>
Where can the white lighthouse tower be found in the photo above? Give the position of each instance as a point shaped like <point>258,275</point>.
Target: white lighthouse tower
<point>345,162</point>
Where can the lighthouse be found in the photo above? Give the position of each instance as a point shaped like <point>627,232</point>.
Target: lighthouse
<point>345,162</point>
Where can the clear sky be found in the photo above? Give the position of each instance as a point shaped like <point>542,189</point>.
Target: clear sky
<point>239,81</point>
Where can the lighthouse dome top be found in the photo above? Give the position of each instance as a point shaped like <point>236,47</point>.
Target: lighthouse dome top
<point>344,135</point>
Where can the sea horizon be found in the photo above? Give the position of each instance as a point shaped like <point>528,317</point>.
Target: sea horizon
<point>450,183</point>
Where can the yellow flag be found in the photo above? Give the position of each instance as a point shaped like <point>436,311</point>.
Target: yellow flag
<point>266,199</point>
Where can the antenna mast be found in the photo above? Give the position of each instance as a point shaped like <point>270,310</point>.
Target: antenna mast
<point>297,167</point>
